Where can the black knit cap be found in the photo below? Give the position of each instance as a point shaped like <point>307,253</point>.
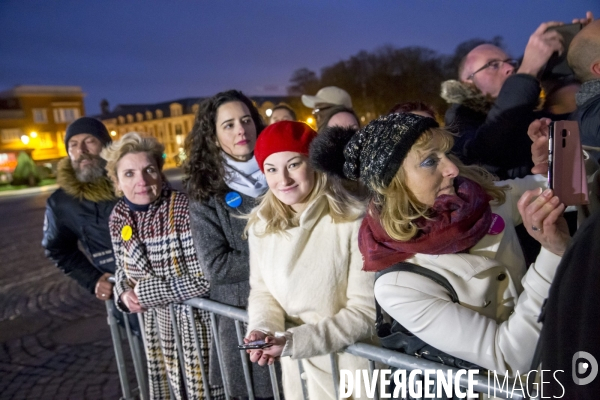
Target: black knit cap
<point>88,125</point>
<point>374,153</point>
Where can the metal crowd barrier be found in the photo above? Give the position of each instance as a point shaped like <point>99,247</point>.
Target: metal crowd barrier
<point>370,352</point>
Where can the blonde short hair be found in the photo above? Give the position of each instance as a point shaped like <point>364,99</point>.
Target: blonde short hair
<point>131,142</point>
<point>398,206</point>
<point>344,206</point>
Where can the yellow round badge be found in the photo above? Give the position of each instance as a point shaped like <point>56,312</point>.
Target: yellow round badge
<point>126,232</point>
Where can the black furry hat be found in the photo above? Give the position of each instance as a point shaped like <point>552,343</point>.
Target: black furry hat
<point>372,154</point>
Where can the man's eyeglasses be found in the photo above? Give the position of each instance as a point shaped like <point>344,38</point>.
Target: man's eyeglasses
<point>495,65</point>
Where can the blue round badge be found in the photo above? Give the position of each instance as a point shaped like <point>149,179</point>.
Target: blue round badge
<point>233,199</point>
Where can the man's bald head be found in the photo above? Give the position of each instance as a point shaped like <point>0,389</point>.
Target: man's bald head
<point>468,63</point>
<point>488,80</point>
<point>584,53</point>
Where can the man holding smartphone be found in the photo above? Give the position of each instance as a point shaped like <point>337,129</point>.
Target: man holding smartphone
<point>495,100</point>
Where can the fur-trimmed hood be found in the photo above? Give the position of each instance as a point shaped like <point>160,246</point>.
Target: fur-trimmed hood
<point>466,94</point>
<point>99,190</point>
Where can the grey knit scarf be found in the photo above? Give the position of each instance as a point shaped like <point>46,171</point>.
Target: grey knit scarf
<point>588,90</point>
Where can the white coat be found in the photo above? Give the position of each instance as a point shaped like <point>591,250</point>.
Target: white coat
<point>310,276</point>
<point>494,325</point>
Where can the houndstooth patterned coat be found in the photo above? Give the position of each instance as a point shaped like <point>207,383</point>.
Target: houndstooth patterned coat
<point>155,249</point>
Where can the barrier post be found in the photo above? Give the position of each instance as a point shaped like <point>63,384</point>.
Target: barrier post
<point>179,348</point>
<point>244,356</point>
<point>138,363</point>
<point>116,339</point>
<point>213,320</point>
<point>205,381</point>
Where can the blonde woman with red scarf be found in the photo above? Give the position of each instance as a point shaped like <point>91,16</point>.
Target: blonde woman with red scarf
<point>430,210</point>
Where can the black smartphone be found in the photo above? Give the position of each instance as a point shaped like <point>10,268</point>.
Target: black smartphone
<point>557,66</point>
<point>257,344</point>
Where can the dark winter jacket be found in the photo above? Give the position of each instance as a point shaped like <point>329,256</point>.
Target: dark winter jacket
<point>494,134</point>
<point>79,211</point>
<point>217,230</point>
<point>572,317</point>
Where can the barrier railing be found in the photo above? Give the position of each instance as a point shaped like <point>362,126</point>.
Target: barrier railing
<point>370,352</point>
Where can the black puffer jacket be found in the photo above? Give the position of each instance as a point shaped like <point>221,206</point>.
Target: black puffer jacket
<point>79,212</point>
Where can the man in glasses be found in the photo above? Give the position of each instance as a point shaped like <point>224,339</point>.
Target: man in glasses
<point>495,100</point>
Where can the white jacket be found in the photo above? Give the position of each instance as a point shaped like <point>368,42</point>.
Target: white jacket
<point>312,276</point>
<point>494,325</point>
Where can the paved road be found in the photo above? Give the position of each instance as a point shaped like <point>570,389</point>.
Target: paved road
<point>54,340</point>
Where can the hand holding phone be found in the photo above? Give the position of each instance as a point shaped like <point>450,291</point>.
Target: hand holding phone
<point>557,66</point>
<point>257,344</point>
<point>566,171</point>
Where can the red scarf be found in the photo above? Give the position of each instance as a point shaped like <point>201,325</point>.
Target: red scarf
<point>455,225</point>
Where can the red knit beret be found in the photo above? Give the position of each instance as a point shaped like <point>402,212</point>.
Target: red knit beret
<point>283,136</point>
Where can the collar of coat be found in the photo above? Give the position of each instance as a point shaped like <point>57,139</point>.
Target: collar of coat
<point>588,90</point>
<point>311,214</point>
<point>99,190</point>
<point>466,94</point>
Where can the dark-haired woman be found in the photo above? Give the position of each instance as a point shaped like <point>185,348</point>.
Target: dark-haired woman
<point>223,181</point>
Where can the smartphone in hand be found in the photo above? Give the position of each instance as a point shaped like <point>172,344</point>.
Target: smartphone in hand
<point>566,170</point>
<point>557,66</point>
<point>257,344</point>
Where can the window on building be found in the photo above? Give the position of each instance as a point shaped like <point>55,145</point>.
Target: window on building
<point>139,117</point>
<point>195,108</point>
<point>66,115</point>
<point>40,115</point>
<point>11,135</point>
<point>176,109</point>
<point>129,118</point>
<point>148,115</point>
<point>121,119</point>
<point>178,134</point>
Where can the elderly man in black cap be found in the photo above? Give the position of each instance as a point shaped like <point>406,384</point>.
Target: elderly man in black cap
<point>79,210</point>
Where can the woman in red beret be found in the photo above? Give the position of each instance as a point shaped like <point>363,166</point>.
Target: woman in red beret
<point>305,266</point>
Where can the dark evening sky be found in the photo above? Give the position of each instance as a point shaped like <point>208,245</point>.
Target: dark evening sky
<point>148,51</point>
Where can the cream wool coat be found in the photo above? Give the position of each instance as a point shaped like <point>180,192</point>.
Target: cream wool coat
<point>495,325</point>
<point>311,276</point>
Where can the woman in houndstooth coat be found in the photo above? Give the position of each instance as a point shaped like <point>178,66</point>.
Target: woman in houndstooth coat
<point>157,266</point>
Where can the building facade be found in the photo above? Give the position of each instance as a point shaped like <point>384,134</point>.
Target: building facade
<point>34,119</point>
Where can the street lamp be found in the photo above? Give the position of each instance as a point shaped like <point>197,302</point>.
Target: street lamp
<point>25,139</point>
<point>310,120</point>
<point>113,133</point>
<point>269,112</point>
<point>33,135</point>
